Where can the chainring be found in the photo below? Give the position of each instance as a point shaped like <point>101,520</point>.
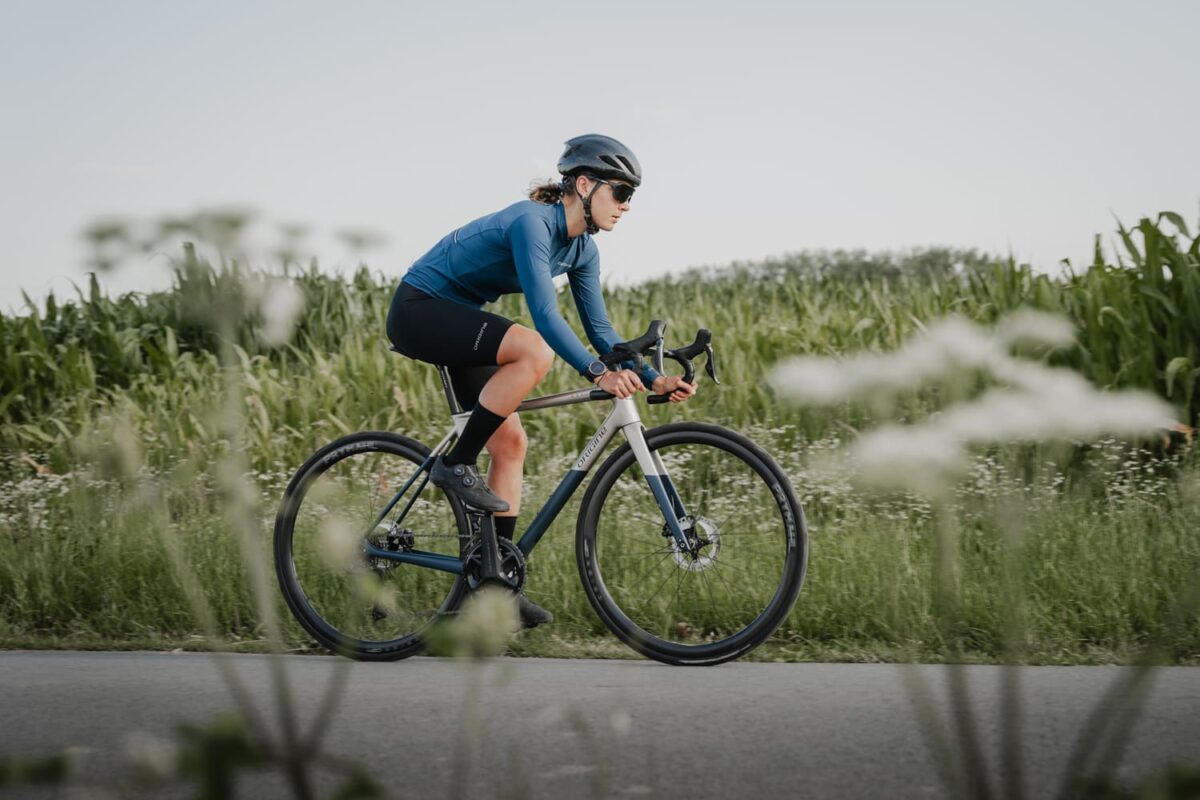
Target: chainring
<point>512,565</point>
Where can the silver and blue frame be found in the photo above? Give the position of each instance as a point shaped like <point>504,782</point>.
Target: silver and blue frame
<point>623,419</point>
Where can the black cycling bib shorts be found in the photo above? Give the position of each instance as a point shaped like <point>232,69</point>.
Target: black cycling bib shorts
<point>462,338</point>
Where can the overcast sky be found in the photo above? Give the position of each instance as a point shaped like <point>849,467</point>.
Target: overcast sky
<point>762,128</point>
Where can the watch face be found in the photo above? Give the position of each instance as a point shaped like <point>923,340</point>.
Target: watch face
<point>596,369</point>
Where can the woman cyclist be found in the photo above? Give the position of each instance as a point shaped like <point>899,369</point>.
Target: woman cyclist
<point>436,316</point>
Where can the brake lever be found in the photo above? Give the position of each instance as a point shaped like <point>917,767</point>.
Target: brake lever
<point>710,366</point>
<point>658,356</point>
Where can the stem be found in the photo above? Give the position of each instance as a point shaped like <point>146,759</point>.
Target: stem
<point>1110,714</point>
<point>1011,715</point>
<point>974,763</point>
<point>242,516</point>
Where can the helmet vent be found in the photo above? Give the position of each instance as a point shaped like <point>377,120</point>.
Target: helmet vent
<point>621,165</point>
<point>602,156</point>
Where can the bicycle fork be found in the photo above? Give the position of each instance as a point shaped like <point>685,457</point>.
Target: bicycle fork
<point>625,415</point>
<point>659,480</point>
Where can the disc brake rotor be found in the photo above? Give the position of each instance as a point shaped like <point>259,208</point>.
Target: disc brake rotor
<point>704,530</point>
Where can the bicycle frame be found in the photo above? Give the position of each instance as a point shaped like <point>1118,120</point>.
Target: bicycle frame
<point>623,418</point>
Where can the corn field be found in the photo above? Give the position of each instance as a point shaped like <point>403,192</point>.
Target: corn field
<point>100,397</point>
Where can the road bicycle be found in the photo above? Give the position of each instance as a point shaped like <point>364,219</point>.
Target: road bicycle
<point>690,542</point>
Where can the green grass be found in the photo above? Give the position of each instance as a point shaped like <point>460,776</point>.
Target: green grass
<point>114,427</point>
<point>1100,573</point>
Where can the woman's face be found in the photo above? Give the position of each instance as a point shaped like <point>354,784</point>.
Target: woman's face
<point>605,209</point>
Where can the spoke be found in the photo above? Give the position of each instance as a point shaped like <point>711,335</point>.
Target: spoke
<point>708,588</point>
<point>647,519</point>
<point>726,583</point>
<point>652,567</point>
<point>675,597</point>
<point>660,551</point>
<point>718,563</point>
<point>658,588</point>
<point>743,512</point>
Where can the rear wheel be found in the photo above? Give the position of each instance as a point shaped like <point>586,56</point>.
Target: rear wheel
<point>740,574</point>
<point>366,608</point>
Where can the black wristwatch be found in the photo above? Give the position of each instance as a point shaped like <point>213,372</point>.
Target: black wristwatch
<point>595,370</point>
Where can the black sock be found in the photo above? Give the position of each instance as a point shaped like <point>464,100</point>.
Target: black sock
<point>505,527</point>
<point>480,427</point>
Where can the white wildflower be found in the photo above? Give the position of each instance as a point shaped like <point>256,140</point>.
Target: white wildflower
<point>487,622</point>
<point>151,755</point>
<point>1036,403</point>
<point>948,346</point>
<point>1030,327</point>
<point>281,305</point>
<point>338,542</point>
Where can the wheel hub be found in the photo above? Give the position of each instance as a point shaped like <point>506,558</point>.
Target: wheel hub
<point>704,542</point>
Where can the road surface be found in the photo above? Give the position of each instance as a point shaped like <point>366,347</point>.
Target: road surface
<point>574,728</point>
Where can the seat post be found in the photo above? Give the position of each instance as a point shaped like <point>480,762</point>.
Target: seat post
<point>451,398</point>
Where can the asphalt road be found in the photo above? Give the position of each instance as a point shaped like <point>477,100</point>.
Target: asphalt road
<point>573,728</point>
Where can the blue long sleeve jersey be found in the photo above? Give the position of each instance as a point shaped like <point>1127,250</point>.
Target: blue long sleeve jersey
<point>521,249</point>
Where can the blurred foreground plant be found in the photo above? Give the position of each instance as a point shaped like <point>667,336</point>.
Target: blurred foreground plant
<point>1029,402</point>
<point>213,755</point>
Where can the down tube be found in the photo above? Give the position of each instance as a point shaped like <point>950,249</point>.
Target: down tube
<point>541,523</point>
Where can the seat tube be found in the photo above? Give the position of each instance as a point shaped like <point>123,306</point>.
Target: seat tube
<point>659,481</point>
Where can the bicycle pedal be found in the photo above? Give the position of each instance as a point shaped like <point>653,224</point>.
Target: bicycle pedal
<point>476,510</point>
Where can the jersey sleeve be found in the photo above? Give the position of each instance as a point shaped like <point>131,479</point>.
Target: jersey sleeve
<point>585,288</point>
<point>529,238</point>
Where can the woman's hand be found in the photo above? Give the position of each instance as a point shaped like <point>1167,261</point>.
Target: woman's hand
<point>679,388</point>
<point>621,384</point>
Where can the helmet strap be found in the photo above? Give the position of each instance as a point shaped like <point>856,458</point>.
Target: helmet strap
<point>592,228</point>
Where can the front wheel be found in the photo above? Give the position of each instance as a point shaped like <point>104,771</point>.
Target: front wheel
<point>741,571</point>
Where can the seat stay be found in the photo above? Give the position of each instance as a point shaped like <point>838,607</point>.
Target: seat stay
<point>422,470</point>
<point>418,472</point>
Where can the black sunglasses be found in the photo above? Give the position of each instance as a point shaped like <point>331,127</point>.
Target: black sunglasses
<point>621,192</point>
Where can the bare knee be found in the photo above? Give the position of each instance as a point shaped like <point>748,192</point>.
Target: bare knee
<point>543,357</point>
<point>509,442</point>
<point>527,347</point>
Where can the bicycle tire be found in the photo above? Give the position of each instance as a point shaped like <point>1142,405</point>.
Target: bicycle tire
<point>302,531</point>
<point>629,618</point>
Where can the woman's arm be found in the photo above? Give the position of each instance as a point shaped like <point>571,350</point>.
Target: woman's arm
<point>589,300</point>
<point>529,238</point>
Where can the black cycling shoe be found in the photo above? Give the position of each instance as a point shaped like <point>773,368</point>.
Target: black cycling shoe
<point>464,481</point>
<point>532,614</point>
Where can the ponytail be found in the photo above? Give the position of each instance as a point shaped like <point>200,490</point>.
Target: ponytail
<point>548,193</point>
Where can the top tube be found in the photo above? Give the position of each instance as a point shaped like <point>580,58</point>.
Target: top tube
<point>567,398</point>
